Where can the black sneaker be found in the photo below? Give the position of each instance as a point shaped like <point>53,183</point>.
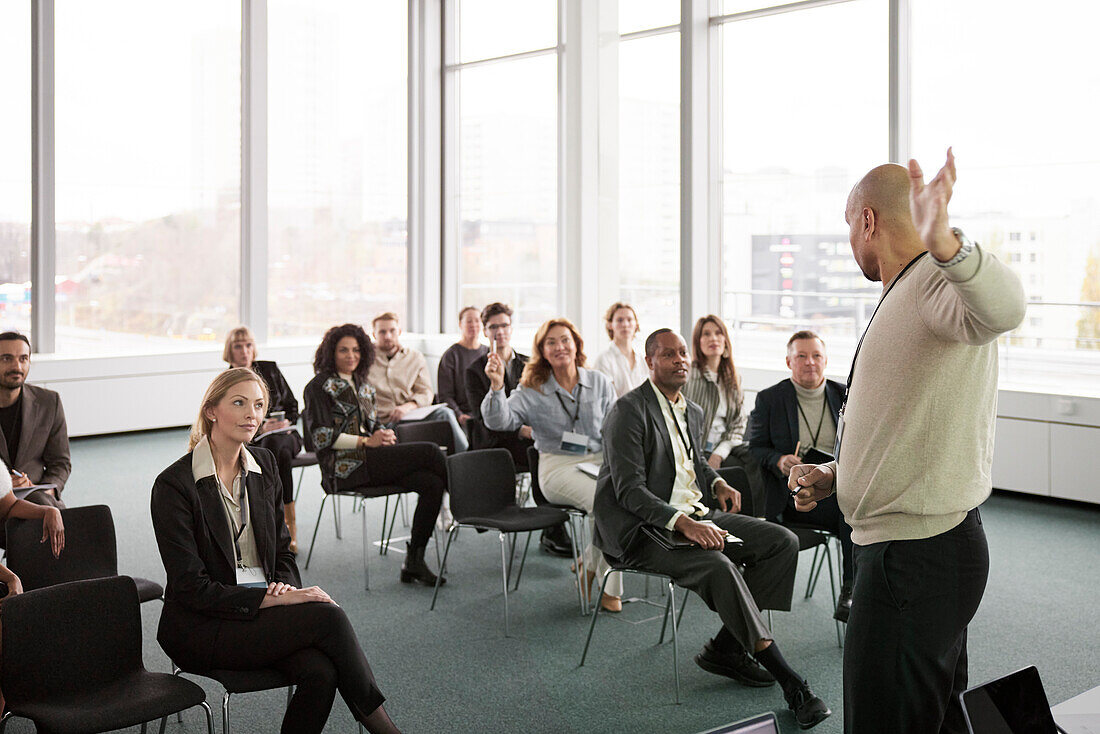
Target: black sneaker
<point>809,710</point>
<point>843,605</point>
<point>739,665</point>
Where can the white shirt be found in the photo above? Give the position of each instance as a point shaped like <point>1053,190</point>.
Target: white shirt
<point>202,465</point>
<point>686,498</point>
<point>615,365</point>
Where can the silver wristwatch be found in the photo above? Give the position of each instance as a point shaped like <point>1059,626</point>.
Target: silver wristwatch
<point>965,248</point>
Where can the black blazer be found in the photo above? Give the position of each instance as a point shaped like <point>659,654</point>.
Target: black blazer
<point>773,432</point>
<point>635,481</point>
<point>196,548</point>
<point>477,387</point>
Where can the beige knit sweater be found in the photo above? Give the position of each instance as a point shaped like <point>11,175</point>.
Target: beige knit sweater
<point>918,428</point>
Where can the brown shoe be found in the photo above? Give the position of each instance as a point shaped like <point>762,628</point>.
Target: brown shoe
<point>291,518</point>
<point>611,603</point>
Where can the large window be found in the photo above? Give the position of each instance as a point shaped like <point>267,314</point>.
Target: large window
<point>148,173</point>
<point>649,165</point>
<point>505,175</point>
<point>804,116</point>
<point>337,154</point>
<point>15,166</point>
<point>1023,127</point>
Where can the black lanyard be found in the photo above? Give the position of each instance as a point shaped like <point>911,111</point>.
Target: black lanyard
<point>820,421</point>
<point>243,499</point>
<point>577,414</point>
<point>852,371</point>
<point>686,444</point>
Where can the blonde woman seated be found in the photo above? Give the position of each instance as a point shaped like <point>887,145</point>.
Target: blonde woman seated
<point>564,404</point>
<point>233,600</point>
<point>622,361</point>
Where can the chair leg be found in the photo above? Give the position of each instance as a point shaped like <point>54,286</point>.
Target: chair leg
<point>366,545</point>
<point>683,606</point>
<point>675,638</point>
<point>209,717</point>
<point>179,714</point>
<point>336,516</point>
<point>664,621</point>
<point>504,576</point>
<point>595,613</point>
<point>574,542</point>
<point>450,536</point>
<point>316,527</point>
<point>404,510</point>
<point>289,694</point>
<point>815,571</point>
<point>4,721</point>
<point>832,588</point>
<point>298,489</point>
<point>522,562</point>
<point>225,712</point>
<point>143,727</point>
<point>385,544</point>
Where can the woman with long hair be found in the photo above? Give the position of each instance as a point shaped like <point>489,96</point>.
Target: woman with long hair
<point>622,361</point>
<point>564,404</point>
<point>277,433</point>
<point>356,452</point>
<point>233,599</point>
<point>716,387</point>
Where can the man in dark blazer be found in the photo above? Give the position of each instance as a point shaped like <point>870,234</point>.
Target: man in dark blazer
<point>654,473</point>
<point>790,418</point>
<point>34,441</point>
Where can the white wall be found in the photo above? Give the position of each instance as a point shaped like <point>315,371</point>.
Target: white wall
<point>1046,444</point>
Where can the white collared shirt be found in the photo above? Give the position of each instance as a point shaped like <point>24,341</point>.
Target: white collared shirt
<point>202,466</point>
<point>686,498</point>
<point>615,365</point>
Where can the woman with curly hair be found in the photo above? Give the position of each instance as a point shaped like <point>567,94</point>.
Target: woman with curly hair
<point>357,453</point>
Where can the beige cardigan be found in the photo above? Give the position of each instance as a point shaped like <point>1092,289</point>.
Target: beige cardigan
<point>918,427</point>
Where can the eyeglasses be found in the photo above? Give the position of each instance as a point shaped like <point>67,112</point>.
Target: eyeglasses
<point>498,327</point>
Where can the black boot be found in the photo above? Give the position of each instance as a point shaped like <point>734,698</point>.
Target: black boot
<point>555,541</point>
<point>416,570</point>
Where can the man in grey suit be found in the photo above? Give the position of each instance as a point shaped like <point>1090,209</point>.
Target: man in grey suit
<point>34,441</point>
<point>655,474</point>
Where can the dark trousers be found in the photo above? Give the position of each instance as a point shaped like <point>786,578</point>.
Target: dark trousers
<point>285,446</point>
<point>417,467</point>
<point>905,649</point>
<point>769,554</point>
<point>315,647</point>
<point>827,516</point>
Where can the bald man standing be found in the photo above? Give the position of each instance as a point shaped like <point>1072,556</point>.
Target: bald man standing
<point>914,451</point>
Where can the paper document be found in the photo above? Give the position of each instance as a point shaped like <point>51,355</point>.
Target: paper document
<point>589,468</point>
<point>22,492</point>
<point>419,414</point>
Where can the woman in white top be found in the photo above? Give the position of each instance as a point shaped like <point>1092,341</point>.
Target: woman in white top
<point>621,361</point>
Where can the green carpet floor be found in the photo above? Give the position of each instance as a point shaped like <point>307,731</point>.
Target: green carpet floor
<point>452,670</point>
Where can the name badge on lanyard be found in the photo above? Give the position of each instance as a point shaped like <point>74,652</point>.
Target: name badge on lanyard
<point>571,441</point>
<point>574,443</point>
<point>251,576</point>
